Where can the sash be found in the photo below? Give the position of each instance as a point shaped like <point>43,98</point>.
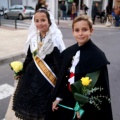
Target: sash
<point>45,70</point>
<point>39,62</point>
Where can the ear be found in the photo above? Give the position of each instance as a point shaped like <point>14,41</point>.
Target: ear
<point>73,32</point>
<point>91,31</point>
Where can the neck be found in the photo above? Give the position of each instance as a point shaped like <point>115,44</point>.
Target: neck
<point>42,34</point>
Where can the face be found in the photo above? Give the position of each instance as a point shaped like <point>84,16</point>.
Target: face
<point>82,32</point>
<point>96,4</point>
<point>41,22</point>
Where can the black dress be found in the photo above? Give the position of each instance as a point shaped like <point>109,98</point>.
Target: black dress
<point>91,59</point>
<point>33,91</point>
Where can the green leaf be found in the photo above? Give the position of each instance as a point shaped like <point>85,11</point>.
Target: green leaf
<point>94,76</point>
<point>76,87</point>
<point>82,99</point>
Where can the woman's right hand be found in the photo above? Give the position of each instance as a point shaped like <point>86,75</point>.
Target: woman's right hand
<point>54,105</point>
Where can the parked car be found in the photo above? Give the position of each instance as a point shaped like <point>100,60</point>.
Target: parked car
<point>19,11</point>
<point>1,10</point>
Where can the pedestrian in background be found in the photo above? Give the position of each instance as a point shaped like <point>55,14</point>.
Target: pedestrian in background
<point>85,8</point>
<point>63,9</point>
<point>95,11</point>
<point>116,14</point>
<point>73,11</point>
<point>40,4</point>
<point>81,60</point>
<point>108,11</point>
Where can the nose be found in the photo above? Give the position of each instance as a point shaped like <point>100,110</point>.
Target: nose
<point>80,32</point>
<point>39,24</point>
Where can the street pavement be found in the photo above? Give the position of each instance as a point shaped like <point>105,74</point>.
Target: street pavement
<point>12,41</point>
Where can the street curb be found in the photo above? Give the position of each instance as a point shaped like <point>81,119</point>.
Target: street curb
<point>95,27</point>
<point>11,58</point>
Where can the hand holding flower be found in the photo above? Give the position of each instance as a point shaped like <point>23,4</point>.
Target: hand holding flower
<point>17,67</point>
<point>16,77</point>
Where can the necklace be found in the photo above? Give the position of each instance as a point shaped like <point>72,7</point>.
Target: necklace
<point>40,43</point>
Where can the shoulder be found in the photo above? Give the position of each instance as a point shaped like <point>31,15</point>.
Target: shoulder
<point>70,49</point>
<point>97,51</point>
<point>67,54</point>
<point>92,57</point>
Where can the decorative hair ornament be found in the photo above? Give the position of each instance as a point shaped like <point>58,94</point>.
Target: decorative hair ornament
<point>42,8</point>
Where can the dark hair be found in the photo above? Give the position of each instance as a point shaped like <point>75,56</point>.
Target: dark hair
<point>42,10</point>
<point>40,5</point>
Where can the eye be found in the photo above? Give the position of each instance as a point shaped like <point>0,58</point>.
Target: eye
<point>84,29</point>
<point>36,20</point>
<point>43,20</point>
<point>76,30</point>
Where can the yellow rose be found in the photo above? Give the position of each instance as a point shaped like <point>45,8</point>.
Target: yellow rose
<point>85,81</point>
<point>17,66</point>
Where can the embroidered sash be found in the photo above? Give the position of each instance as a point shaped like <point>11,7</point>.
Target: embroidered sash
<point>45,70</point>
<point>40,63</point>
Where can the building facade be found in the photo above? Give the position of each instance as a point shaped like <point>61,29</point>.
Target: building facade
<point>54,4</point>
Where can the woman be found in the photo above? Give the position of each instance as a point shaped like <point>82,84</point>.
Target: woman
<point>73,11</point>
<point>71,94</point>
<point>38,80</point>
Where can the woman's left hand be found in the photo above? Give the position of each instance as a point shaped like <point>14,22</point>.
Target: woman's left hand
<point>17,77</point>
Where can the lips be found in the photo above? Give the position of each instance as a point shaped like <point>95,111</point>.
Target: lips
<point>81,38</point>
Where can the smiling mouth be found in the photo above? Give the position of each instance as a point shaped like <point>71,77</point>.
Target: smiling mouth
<point>81,38</point>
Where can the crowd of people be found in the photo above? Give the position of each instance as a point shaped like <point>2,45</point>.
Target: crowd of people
<point>45,87</point>
<point>107,15</point>
<point>103,15</point>
<point>72,11</point>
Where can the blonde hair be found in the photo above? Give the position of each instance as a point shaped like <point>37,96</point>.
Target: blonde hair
<point>84,18</point>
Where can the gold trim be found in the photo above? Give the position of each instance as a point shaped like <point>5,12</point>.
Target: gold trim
<point>45,70</point>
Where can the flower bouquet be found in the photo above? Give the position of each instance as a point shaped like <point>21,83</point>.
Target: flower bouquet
<point>17,67</point>
<point>83,91</point>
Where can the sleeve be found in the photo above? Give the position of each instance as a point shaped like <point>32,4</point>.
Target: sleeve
<point>56,59</point>
<point>104,81</point>
<point>28,59</point>
<point>61,90</point>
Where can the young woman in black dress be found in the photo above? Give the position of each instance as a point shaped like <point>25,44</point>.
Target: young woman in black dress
<point>34,88</point>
